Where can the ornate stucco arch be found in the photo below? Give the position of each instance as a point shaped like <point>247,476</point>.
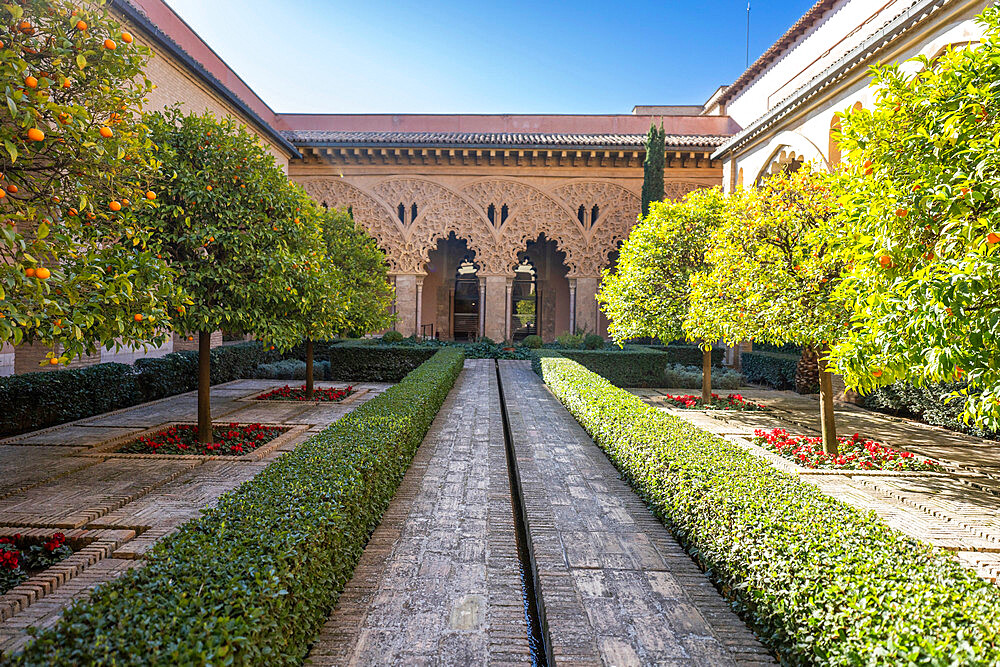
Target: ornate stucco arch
<point>617,208</point>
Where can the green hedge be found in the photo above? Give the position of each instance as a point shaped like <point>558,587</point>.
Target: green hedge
<point>376,363</point>
<point>36,400</point>
<point>821,582</point>
<point>769,368</point>
<point>686,355</point>
<point>631,367</point>
<point>926,404</point>
<point>252,580</point>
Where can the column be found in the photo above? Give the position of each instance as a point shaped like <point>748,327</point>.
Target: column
<point>586,303</point>
<point>482,307</point>
<point>509,314</point>
<point>572,306</point>
<point>495,304</point>
<point>406,302</point>
<point>420,305</point>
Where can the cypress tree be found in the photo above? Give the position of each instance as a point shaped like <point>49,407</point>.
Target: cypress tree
<point>652,167</point>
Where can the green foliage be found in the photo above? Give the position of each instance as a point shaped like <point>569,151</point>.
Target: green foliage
<point>392,337</point>
<point>534,341</point>
<point>593,342</point>
<point>291,369</point>
<point>253,579</point>
<point>225,221</point>
<point>686,355</point>
<point>770,368</point>
<point>923,228</point>
<point>647,294</point>
<point>623,368</point>
<point>570,340</point>
<point>381,363</point>
<point>36,400</point>
<point>932,404</point>
<point>690,377</point>
<point>58,194</point>
<point>819,581</point>
<point>772,274</point>
<point>652,167</point>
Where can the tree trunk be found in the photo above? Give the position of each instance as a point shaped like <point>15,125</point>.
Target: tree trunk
<point>826,415</point>
<point>309,369</point>
<point>706,376</point>
<point>205,386</point>
<point>807,372</point>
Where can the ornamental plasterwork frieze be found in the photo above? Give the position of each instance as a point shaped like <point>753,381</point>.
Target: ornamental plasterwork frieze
<point>439,210</point>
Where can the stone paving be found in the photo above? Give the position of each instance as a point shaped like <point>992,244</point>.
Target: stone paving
<point>615,586</point>
<point>958,510</point>
<point>438,582</point>
<point>61,479</point>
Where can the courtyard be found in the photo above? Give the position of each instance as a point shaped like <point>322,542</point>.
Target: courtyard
<point>699,384</point>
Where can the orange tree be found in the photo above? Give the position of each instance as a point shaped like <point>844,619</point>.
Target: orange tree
<point>221,222</point>
<point>773,273</point>
<point>339,283</point>
<point>923,229</point>
<point>76,267</point>
<point>648,292</point>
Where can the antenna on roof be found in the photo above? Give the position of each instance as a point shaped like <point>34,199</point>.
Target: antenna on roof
<point>748,33</point>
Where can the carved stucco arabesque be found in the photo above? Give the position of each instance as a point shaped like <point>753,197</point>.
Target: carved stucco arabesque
<point>531,212</point>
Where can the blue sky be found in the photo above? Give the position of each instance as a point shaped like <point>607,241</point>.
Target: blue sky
<point>375,56</point>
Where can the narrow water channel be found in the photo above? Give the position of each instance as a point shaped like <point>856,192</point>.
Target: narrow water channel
<point>536,640</point>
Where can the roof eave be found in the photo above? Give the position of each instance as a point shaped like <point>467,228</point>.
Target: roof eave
<point>874,43</point>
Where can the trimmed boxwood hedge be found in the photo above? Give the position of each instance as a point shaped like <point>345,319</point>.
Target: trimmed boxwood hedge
<point>37,400</point>
<point>926,404</point>
<point>252,580</point>
<point>686,355</point>
<point>769,368</point>
<point>357,362</point>
<point>821,582</point>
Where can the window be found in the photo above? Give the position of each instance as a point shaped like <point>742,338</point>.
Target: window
<point>401,212</point>
<point>491,213</point>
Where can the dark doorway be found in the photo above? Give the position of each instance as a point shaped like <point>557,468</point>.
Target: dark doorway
<point>465,324</point>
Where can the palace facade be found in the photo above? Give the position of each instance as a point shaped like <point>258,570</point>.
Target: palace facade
<point>500,225</point>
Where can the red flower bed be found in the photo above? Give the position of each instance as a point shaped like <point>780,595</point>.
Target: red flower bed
<point>19,559</point>
<point>231,440</point>
<point>287,393</point>
<point>856,453</point>
<point>730,402</point>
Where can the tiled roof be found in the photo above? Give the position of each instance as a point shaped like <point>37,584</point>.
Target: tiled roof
<point>492,139</point>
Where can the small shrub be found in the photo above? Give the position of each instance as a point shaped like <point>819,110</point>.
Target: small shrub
<point>570,341</point>
<point>392,337</point>
<point>593,342</point>
<point>533,341</point>
<point>292,369</point>
<point>376,363</point>
<point>769,368</point>
<point>926,404</point>
<point>821,582</point>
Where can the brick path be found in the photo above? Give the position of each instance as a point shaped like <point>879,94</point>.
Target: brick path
<point>958,510</point>
<point>52,481</point>
<point>615,585</point>
<point>438,582</point>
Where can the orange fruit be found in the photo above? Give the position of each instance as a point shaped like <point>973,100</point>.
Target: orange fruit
<point>150,195</point>
<point>106,132</point>
<point>2,193</point>
<point>53,361</point>
<point>31,82</point>
<point>867,167</point>
<point>110,45</point>
<point>81,25</point>
<point>115,206</point>
<point>127,38</point>
<point>34,134</point>
<point>901,212</point>
<point>138,317</point>
<point>29,272</point>
<point>12,189</point>
<point>65,83</point>
<point>209,188</point>
<point>42,273</point>
<point>65,118</point>
<point>58,322</point>
<point>885,261</point>
<point>126,202</point>
<point>993,238</point>
<point>72,211</point>
<point>877,373</point>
